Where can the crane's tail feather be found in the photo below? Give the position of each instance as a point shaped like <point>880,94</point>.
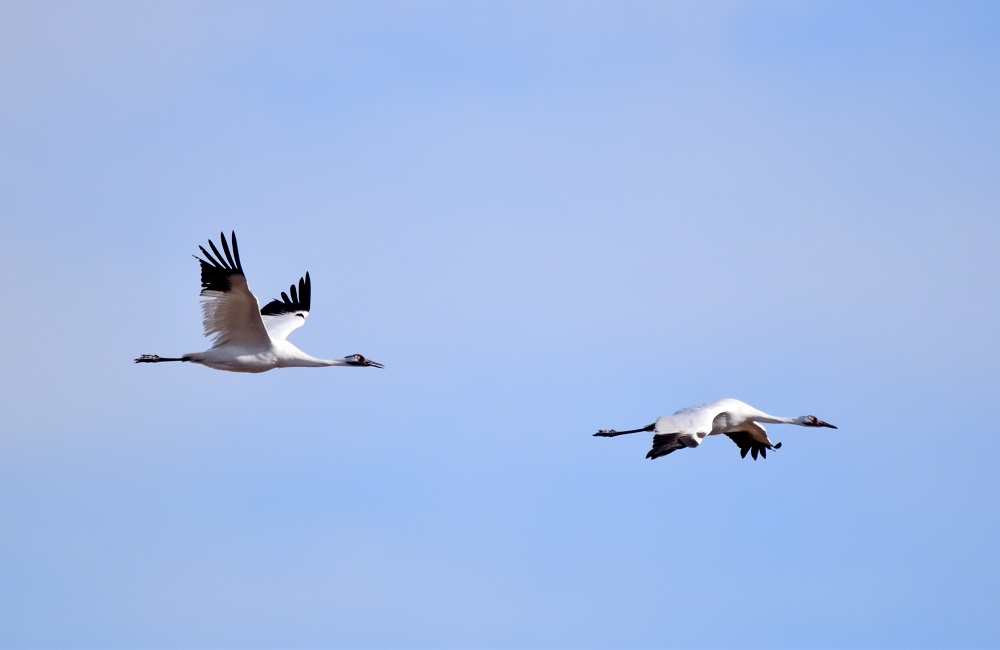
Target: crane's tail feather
<point>611,433</point>
<point>155,358</point>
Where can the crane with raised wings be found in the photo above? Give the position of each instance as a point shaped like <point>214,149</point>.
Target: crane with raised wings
<point>246,338</point>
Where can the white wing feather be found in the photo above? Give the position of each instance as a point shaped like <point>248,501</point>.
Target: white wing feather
<point>232,317</point>
<point>279,326</point>
<point>284,315</point>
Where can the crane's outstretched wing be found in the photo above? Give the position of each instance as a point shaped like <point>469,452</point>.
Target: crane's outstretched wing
<point>753,438</point>
<point>282,317</point>
<point>685,428</point>
<point>229,310</point>
<point>665,443</point>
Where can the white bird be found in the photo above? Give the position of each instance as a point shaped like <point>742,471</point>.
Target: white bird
<point>245,337</point>
<point>738,420</point>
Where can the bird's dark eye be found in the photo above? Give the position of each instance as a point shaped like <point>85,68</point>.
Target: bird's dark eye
<point>812,418</point>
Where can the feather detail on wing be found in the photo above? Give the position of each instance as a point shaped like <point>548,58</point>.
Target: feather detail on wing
<point>752,438</point>
<point>665,443</point>
<point>685,428</point>
<point>282,317</point>
<point>229,310</point>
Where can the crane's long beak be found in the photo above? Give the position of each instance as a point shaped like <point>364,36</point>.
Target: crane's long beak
<point>358,360</point>
<point>821,423</point>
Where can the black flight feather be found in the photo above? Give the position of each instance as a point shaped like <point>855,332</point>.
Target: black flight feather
<point>217,271</point>
<point>747,443</point>
<point>229,255</point>
<point>298,302</point>
<point>663,444</point>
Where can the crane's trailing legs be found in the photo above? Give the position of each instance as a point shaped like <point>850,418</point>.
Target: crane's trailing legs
<point>611,433</point>
<point>155,358</point>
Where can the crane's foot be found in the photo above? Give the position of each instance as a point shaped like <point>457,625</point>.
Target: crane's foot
<point>155,358</point>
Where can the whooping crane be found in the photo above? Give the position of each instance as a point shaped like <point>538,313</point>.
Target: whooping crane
<point>738,420</point>
<point>245,339</point>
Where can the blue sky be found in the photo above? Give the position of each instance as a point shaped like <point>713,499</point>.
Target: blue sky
<point>545,219</point>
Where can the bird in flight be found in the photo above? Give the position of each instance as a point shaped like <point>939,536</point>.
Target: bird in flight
<point>738,420</point>
<point>245,337</point>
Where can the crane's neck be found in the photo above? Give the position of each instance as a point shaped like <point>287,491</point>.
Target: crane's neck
<point>306,361</point>
<point>290,356</point>
<point>764,418</point>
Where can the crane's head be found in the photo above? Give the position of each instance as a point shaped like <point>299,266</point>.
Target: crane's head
<point>358,360</point>
<point>813,421</point>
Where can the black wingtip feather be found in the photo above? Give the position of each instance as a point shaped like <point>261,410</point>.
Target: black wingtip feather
<point>236,252</point>
<point>663,444</point>
<point>653,454</point>
<point>299,300</point>
<point>751,445</point>
<point>225,247</point>
<point>222,260</point>
<point>217,270</point>
<point>208,255</point>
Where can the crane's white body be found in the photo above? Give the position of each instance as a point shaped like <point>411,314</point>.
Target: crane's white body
<point>247,338</point>
<point>688,427</point>
<point>276,354</point>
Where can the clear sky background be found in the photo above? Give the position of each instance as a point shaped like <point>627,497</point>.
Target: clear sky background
<point>544,218</point>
